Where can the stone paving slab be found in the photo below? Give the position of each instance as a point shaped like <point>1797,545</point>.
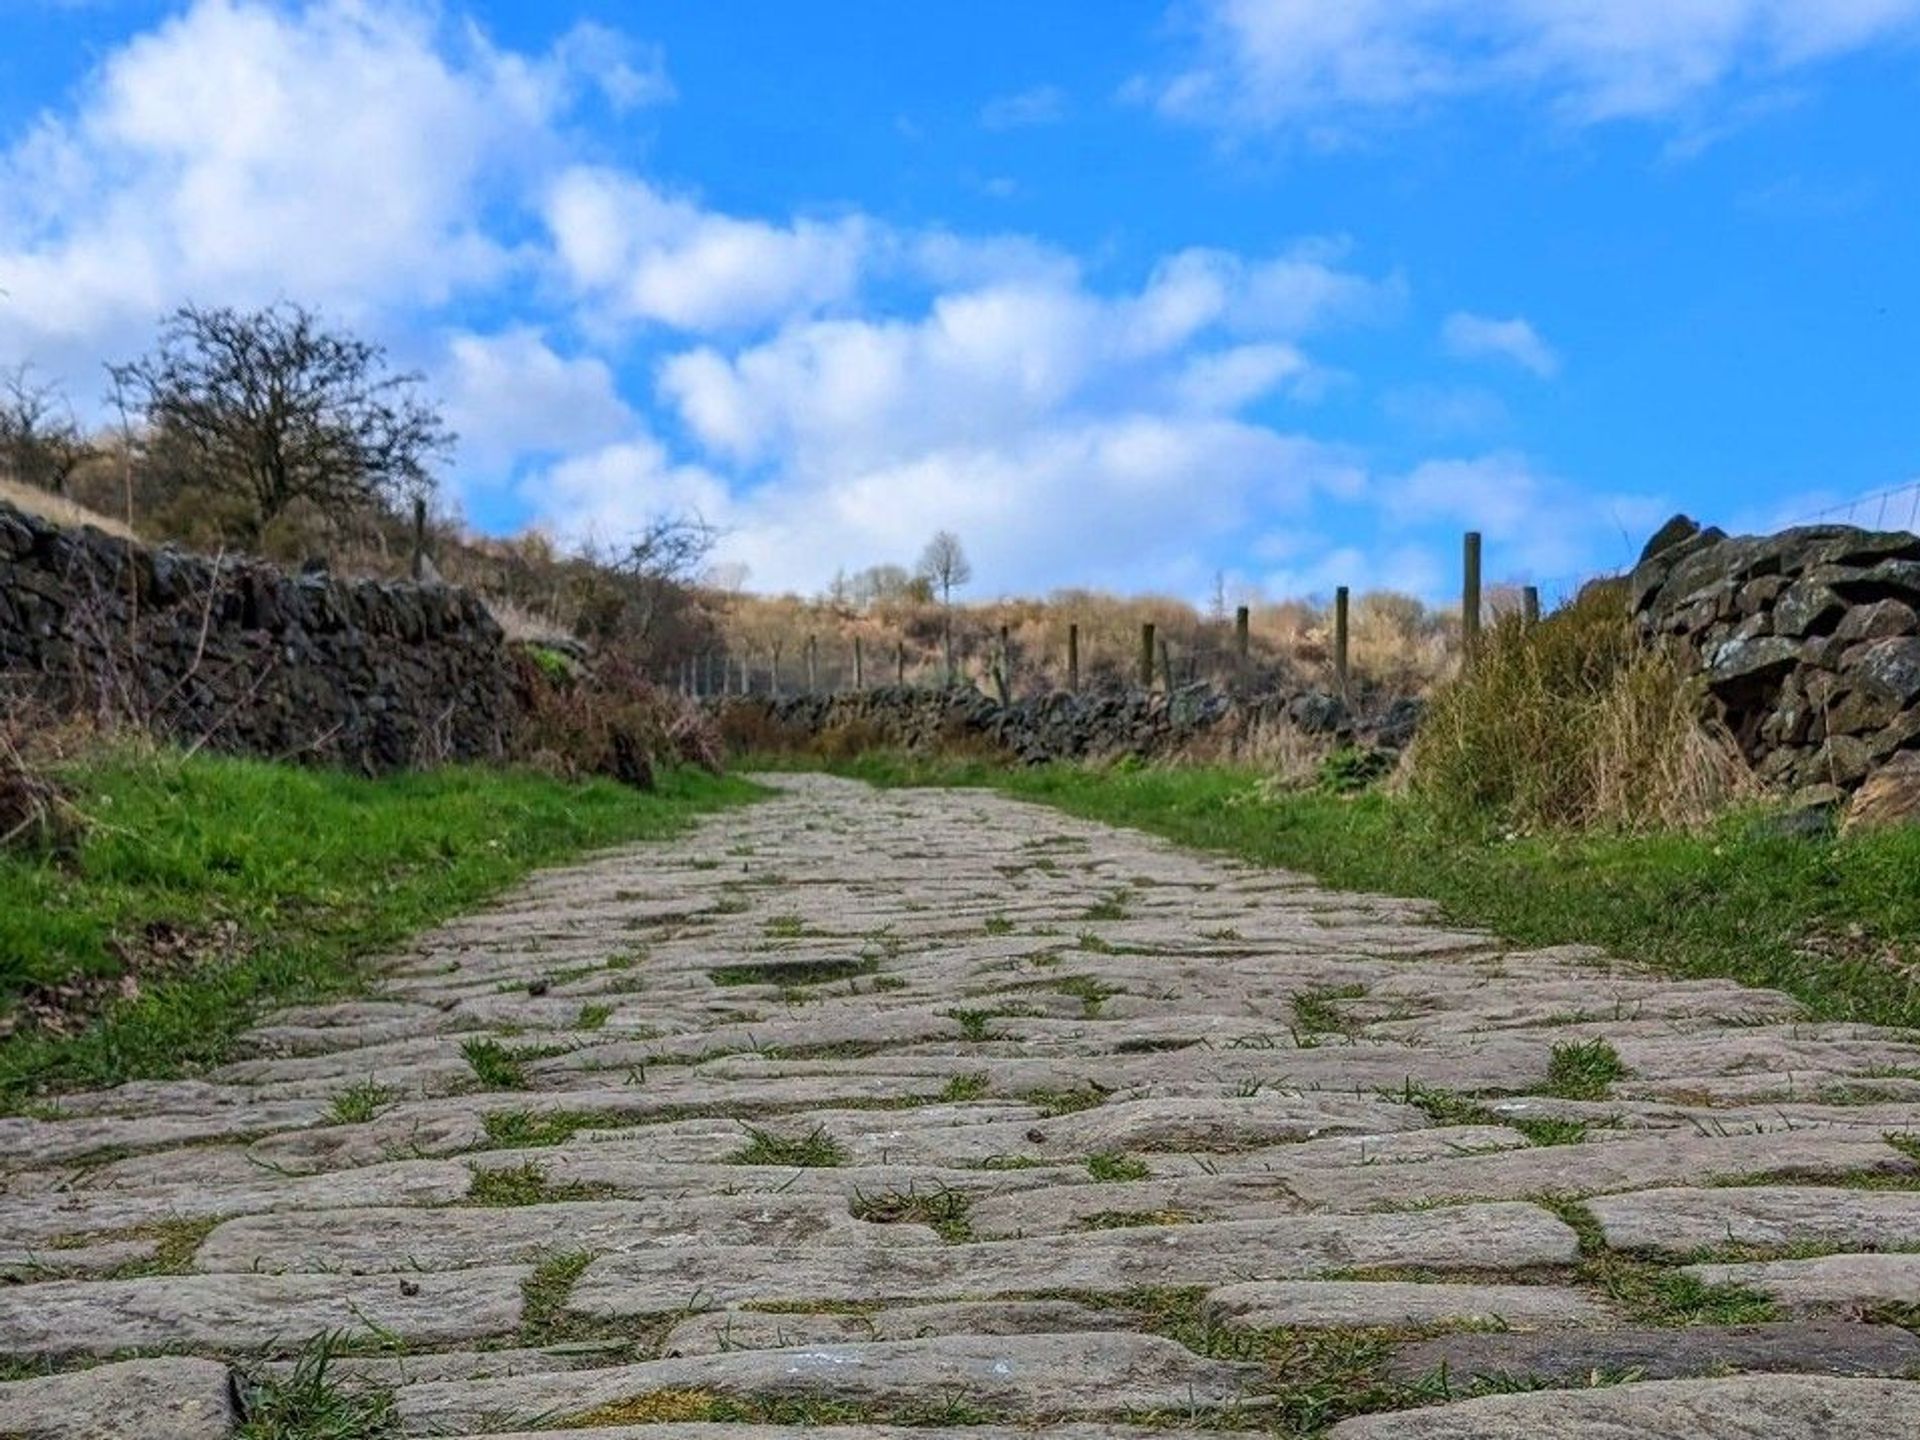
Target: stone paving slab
<point>1101,1262</point>
<point>246,1312</point>
<point>1273,1304</point>
<point>1848,1281</point>
<point>1016,1375</point>
<point>878,1106</point>
<point>161,1399</point>
<point>1683,1221</point>
<point>1830,1347</point>
<point>1748,1407</point>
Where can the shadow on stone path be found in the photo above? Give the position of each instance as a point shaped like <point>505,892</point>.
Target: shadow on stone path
<point>860,1109</point>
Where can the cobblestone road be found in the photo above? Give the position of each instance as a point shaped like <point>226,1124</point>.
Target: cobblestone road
<point>861,1109</point>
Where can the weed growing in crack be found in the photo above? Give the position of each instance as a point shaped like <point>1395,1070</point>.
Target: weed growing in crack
<point>497,1067</point>
<point>543,1296</point>
<point>815,1150</point>
<point>1315,1011</point>
<point>359,1103</point>
<point>973,1023</point>
<point>1065,1102</point>
<point>1584,1071</point>
<point>1111,1167</point>
<point>525,1184</point>
<point>1649,1291</point>
<point>962,1088</point>
<point>944,1210</point>
<point>311,1402</point>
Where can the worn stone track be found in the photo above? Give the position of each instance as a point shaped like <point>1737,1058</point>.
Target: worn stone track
<point>860,1110</point>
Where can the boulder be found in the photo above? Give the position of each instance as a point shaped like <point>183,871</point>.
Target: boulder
<point>1890,796</point>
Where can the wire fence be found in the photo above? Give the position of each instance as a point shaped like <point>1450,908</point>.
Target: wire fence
<point>1214,651</point>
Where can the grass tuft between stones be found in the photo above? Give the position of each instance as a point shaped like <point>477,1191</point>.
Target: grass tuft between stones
<point>1110,1167</point>
<point>814,1150</point>
<point>942,1209</point>
<point>313,1402</point>
<point>1584,1071</point>
<point>361,1102</point>
<point>526,1184</point>
<point>496,1066</point>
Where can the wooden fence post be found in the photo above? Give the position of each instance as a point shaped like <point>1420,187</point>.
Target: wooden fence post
<point>1146,655</point>
<point>1530,605</point>
<point>859,666</point>
<point>419,538</point>
<point>773,683</point>
<point>1470,596</point>
<point>900,662</point>
<point>1073,657</point>
<point>813,665</point>
<point>1242,636</point>
<point>1003,673</point>
<point>1340,638</point>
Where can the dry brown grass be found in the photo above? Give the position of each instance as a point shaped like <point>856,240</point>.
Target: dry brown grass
<point>58,510</point>
<point>1286,757</point>
<point>1394,641</point>
<point>1574,724</point>
<point>525,626</point>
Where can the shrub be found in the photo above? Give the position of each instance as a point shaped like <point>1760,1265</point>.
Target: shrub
<point>36,815</point>
<point>611,721</point>
<point>1573,722</point>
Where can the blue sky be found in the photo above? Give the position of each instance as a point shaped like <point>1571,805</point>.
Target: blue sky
<point>1127,294</point>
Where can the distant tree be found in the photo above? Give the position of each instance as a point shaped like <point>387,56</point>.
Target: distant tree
<point>946,567</point>
<point>40,444</point>
<point>885,584</point>
<point>269,408</point>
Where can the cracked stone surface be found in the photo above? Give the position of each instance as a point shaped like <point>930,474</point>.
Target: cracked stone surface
<point>856,1111</point>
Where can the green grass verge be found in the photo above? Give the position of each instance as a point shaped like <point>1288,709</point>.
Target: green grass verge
<point>224,885</point>
<point>1829,920</point>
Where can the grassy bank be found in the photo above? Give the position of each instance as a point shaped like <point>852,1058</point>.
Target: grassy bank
<point>1832,921</point>
<point>205,888</point>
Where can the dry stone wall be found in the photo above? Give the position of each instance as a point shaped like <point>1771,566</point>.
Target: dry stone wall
<point>1058,726</point>
<point>1807,642</point>
<point>248,658</point>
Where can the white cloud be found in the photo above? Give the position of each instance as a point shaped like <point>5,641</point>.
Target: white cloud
<point>1536,525</point>
<point>345,154</point>
<point>624,244</point>
<point>1042,105</point>
<point>1021,409</point>
<point>1261,65</point>
<point>1480,337</point>
<point>510,395</point>
<point>605,494</point>
<point>627,72</point>
<point>1228,380</point>
<point>1127,501</point>
<point>998,358</point>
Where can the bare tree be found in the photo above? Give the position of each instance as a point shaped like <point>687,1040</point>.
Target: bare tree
<point>945,565</point>
<point>640,597</point>
<point>39,441</point>
<point>270,407</point>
